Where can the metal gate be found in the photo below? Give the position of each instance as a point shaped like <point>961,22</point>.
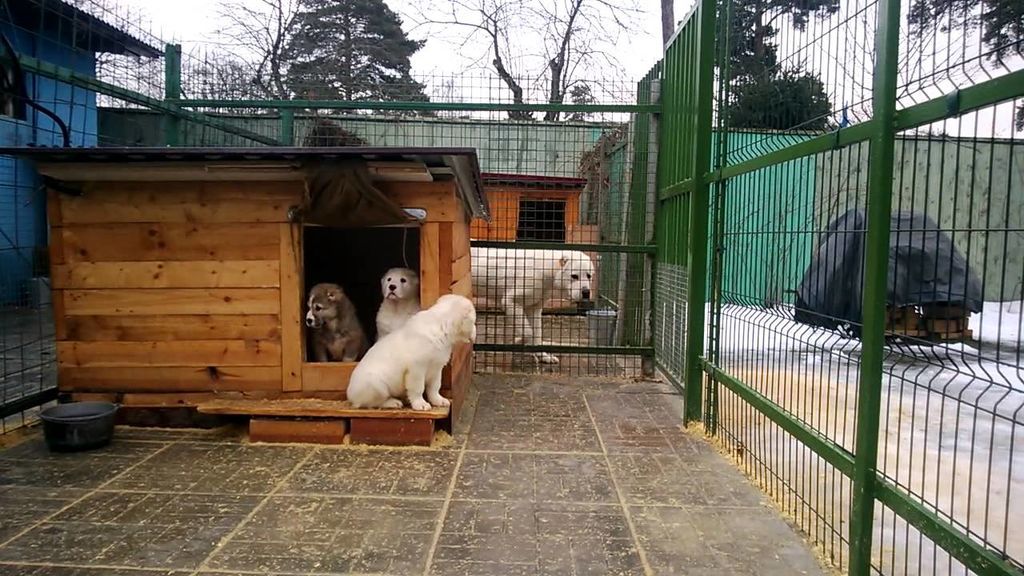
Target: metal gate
<point>838,270</point>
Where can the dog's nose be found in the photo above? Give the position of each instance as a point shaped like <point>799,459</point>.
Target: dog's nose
<point>392,287</point>
<point>586,293</point>
<point>309,321</point>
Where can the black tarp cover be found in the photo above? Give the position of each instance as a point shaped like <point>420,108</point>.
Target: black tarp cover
<point>924,268</point>
<point>341,194</point>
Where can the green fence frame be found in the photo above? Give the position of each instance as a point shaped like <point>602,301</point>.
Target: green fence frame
<point>637,249</point>
<point>686,176</point>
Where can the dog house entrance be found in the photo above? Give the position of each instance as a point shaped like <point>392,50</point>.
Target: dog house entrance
<point>356,258</point>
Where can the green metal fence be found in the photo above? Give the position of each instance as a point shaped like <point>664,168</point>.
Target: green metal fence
<point>837,149</point>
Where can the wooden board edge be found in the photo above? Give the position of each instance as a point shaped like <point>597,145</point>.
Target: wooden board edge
<point>332,409</point>
<point>291,292</point>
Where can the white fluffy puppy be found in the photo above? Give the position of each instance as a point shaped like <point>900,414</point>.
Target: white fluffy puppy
<point>409,361</point>
<point>400,288</point>
<point>522,281</point>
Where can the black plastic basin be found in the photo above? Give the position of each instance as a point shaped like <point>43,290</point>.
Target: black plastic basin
<point>78,425</point>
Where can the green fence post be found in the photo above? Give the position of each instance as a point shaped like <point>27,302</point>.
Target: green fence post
<point>876,268</point>
<point>287,136</point>
<point>172,92</point>
<point>697,268</point>
<point>634,328</point>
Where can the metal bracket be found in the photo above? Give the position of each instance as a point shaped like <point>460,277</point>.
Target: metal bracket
<point>61,187</point>
<point>953,103</point>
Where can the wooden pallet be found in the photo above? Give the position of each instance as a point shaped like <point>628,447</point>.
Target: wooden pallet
<point>328,421</point>
<point>936,322</point>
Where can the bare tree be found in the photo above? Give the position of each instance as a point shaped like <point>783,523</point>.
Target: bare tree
<point>555,41</point>
<point>259,31</point>
<point>219,76</point>
<point>491,21</point>
<point>668,25</point>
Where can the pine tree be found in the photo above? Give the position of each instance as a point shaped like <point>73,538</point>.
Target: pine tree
<point>351,50</point>
<point>1001,23</point>
<point>762,94</point>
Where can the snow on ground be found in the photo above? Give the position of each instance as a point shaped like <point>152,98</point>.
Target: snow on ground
<point>998,323</point>
<point>750,328</point>
<point>753,328</point>
<point>951,431</point>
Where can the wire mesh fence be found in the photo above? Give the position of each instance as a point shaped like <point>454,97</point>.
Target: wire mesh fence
<point>571,177</point>
<point>883,417</point>
<point>52,56</point>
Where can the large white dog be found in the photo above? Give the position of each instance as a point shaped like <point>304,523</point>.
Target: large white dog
<point>409,361</point>
<point>523,281</point>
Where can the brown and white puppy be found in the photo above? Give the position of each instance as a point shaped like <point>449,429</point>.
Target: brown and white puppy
<point>337,335</point>
<point>400,288</point>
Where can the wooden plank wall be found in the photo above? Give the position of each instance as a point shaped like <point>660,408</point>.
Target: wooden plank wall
<point>504,204</point>
<point>456,378</point>
<point>174,287</point>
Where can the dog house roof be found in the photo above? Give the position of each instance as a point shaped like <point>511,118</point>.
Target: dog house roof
<point>534,181</point>
<point>413,164</point>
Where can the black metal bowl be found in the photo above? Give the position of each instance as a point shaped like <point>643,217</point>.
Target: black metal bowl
<point>78,426</point>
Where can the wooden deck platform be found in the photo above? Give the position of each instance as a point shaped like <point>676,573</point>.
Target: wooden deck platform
<point>328,421</point>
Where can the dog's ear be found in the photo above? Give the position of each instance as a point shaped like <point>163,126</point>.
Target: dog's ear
<point>332,295</point>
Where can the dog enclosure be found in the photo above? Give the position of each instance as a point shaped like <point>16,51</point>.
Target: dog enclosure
<point>892,437</point>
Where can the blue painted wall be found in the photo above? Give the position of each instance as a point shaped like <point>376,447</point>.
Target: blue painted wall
<point>23,232</point>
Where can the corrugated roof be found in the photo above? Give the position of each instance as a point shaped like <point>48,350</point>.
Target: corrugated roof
<point>86,31</point>
<point>534,181</point>
<point>462,162</point>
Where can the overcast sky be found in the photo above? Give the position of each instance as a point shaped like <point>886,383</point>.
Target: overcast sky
<point>195,22</point>
<point>191,21</point>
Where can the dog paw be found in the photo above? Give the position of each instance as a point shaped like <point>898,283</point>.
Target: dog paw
<point>440,401</point>
<point>420,404</point>
<point>546,358</point>
<point>392,403</point>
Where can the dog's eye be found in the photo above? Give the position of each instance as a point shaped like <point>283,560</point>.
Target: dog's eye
<point>575,276</point>
<point>317,307</point>
<point>588,276</point>
<point>402,280</point>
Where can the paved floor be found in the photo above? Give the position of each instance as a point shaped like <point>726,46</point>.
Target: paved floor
<point>549,477</point>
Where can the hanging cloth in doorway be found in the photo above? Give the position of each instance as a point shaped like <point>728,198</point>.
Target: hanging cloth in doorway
<point>340,193</point>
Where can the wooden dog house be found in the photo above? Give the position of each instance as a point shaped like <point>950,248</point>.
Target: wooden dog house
<point>527,207</point>
<point>179,275</point>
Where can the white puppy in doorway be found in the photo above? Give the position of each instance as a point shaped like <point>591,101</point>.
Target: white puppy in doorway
<point>523,281</point>
<point>400,288</point>
<point>408,362</point>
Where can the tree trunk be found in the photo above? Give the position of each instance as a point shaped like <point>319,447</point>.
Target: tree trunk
<point>509,80</point>
<point>555,90</point>
<point>346,60</point>
<point>557,64</point>
<point>668,20</point>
